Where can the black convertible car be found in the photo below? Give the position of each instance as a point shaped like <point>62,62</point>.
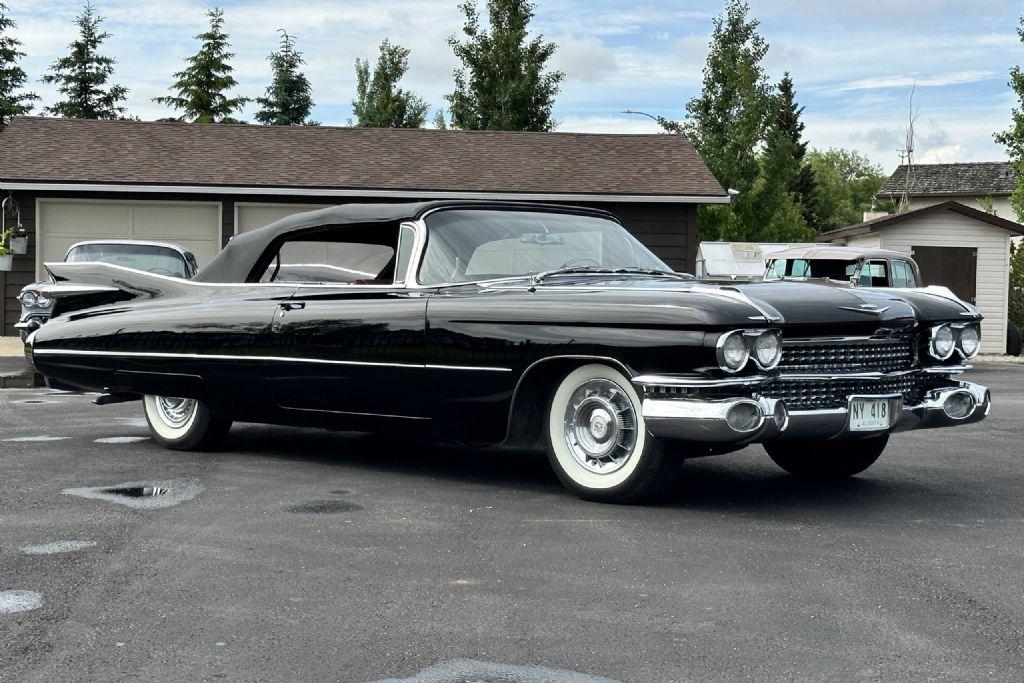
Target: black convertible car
<point>520,324</point>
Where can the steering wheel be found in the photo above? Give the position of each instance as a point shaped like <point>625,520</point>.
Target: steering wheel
<point>580,260</point>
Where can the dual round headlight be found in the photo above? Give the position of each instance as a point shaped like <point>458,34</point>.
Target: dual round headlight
<point>735,348</point>
<point>31,299</point>
<point>947,338</point>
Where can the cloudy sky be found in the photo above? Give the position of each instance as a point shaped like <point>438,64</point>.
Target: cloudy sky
<point>854,62</point>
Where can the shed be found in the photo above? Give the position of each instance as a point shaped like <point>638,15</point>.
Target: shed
<point>196,185</point>
<point>955,246</point>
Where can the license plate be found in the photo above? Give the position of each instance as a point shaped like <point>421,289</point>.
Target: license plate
<point>869,414</point>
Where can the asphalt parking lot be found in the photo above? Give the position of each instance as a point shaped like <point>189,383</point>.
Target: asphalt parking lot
<point>306,555</point>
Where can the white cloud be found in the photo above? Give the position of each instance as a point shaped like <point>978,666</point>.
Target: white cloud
<point>584,59</point>
<point>954,78</point>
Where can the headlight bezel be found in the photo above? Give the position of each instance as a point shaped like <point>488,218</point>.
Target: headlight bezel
<point>720,352</point>
<point>749,339</point>
<point>933,334</point>
<point>960,329</point>
<point>28,298</point>
<point>755,353</point>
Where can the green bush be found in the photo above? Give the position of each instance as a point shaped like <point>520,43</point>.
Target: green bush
<point>1017,286</point>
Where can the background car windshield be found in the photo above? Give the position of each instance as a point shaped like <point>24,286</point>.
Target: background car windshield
<point>833,269</point>
<point>153,259</point>
<point>468,245</point>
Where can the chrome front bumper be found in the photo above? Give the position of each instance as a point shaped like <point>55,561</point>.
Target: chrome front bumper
<point>707,420</point>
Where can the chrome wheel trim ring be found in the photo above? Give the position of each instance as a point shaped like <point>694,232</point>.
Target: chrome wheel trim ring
<point>600,426</point>
<point>175,412</point>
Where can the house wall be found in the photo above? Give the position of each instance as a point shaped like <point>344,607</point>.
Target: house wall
<point>870,241</point>
<point>949,229</point>
<point>1001,205</point>
<point>668,229</point>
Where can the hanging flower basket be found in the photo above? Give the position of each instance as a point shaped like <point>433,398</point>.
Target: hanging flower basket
<point>19,245</point>
<point>6,262</point>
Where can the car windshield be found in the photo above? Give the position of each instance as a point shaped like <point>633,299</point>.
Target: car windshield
<point>148,257</point>
<point>473,245</point>
<point>833,269</point>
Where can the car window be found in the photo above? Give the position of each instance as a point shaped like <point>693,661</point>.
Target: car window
<point>351,255</point>
<point>472,245</point>
<point>903,275</point>
<point>874,274</point>
<point>818,268</point>
<point>147,257</point>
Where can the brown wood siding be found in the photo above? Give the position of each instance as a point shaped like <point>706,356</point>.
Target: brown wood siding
<point>24,265</point>
<point>668,229</point>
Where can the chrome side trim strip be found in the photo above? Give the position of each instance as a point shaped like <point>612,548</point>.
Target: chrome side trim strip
<point>281,359</point>
<point>669,381</point>
<point>831,376</point>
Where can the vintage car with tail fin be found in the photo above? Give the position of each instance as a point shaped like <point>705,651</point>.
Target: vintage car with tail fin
<point>521,324</point>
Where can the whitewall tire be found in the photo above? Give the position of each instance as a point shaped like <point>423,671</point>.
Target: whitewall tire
<point>183,424</point>
<point>598,443</point>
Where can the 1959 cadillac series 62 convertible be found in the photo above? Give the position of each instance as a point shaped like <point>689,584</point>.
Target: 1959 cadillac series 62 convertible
<point>519,324</point>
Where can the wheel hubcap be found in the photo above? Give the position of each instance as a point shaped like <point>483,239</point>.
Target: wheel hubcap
<point>600,426</point>
<point>175,412</point>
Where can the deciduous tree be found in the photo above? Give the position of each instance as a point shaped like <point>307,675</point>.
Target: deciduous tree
<point>1013,137</point>
<point>202,89</point>
<point>379,102</point>
<point>289,97</point>
<point>82,75</point>
<point>502,84</point>
<point>847,185</point>
<point>727,121</point>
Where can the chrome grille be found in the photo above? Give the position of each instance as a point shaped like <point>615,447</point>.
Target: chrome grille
<point>834,393</point>
<point>841,356</point>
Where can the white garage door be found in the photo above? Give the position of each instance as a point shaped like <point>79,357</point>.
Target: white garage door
<point>251,216</point>
<point>192,225</point>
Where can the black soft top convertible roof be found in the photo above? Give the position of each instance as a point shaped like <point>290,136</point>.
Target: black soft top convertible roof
<point>236,260</point>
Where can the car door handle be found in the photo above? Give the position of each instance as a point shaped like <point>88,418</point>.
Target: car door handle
<point>292,305</point>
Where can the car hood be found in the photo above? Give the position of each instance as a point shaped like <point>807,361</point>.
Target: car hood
<point>792,303</point>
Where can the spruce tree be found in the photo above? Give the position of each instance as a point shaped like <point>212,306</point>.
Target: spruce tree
<point>379,102</point>
<point>784,152</point>
<point>502,84</point>
<point>82,75</point>
<point>288,100</point>
<point>201,89</point>
<point>1013,137</point>
<point>728,120</point>
<point>14,101</point>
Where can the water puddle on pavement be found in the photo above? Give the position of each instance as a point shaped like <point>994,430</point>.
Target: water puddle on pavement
<point>12,602</point>
<point>472,671</point>
<point>56,547</point>
<point>121,439</point>
<point>141,495</point>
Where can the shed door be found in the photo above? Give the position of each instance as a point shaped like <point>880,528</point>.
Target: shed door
<point>953,267</point>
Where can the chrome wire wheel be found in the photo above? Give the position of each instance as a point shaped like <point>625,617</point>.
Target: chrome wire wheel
<point>600,425</point>
<point>175,412</point>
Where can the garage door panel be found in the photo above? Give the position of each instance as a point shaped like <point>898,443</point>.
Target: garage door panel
<point>203,250</point>
<point>182,221</point>
<point>86,219</point>
<point>253,216</point>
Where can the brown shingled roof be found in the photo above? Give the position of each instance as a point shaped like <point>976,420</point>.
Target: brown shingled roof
<point>37,149</point>
<point>995,178</point>
<point>882,222</point>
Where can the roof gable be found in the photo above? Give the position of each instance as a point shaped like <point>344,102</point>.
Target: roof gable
<point>883,222</point>
<point>69,151</point>
<point>995,178</point>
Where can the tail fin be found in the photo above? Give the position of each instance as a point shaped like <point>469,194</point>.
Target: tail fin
<point>110,277</point>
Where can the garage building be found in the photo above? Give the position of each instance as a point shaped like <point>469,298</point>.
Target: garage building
<point>197,185</point>
<point>956,246</point>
